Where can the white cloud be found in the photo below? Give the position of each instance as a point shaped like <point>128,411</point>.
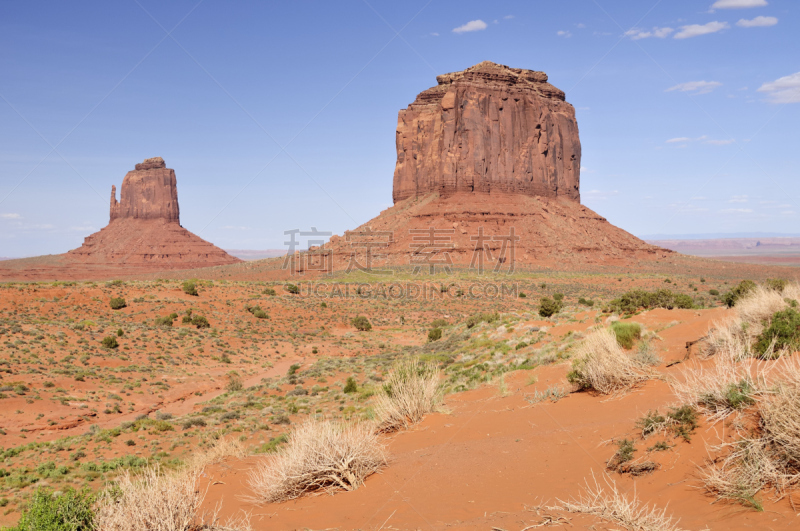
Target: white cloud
<point>508,17</point>
<point>738,4</point>
<point>580,25</point>
<point>704,139</point>
<point>434,34</point>
<point>472,25</point>
<point>10,216</point>
<point>563,33</point>
<point>660,33</point>
<point>737,211</point>
<point>783,90</point>
<point>738,199</point>
<point>599,195</point>
<point>695,30</point>
<point>758,22</point>
<point>698,87</point>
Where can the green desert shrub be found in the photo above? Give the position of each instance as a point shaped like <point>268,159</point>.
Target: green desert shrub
<point>434,334</point>
<point>776,284</point>
<point>627,333</point>
<point>635,300</point>
<point>270,291</point>
<point>486,317</point>
<point>117,303</point>
<point>68,511</point>
<point>257,312</point>
<point>586,302</point>
<point>744,287</point>
<point>350,386</point>
<point>190,288</point>
<point>167,320</point>
<point>783,331</point>
<point>200,322</point>
<point>361,323</point>
<point>294,289</point>
<point>549,307</point>
<point>110,342</point>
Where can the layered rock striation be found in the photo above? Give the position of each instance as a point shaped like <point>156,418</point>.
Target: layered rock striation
<point>489,128</point>
<point>144,230</point>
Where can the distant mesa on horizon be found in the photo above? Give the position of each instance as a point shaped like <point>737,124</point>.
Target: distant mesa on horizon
<point>489,128</point>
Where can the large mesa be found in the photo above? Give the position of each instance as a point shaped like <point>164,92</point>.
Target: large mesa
<point>490,128</point>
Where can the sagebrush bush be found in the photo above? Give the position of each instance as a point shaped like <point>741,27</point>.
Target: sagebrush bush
<point>744,287</point>
<point>200,322</point>
<point>117,303</point>
<point>434,334</point>
<point>411,390</point>
<point>549,307</point>
<point>636,300</point>
<point>68,511</point>
<point>783,333</point>
<point>190,288</point>
<point>486,317</point>
<point>110,342</point>
<point>294,289</point>
<point>319,456</point>
<point>601,364</point>
<point>361,323</point>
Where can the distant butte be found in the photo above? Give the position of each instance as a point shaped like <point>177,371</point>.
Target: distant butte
<point>144,227</point>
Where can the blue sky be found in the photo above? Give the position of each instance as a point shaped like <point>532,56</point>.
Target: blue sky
<point>282,115</point>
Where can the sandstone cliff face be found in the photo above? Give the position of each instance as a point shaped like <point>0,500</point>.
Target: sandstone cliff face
<point>489,128</point>
<point>148,192</point>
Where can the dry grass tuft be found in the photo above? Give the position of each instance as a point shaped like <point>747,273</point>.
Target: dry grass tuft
<point>601,364</point>
<point>734,338</point>
<point>412,390</point>
<point>729,339</point>
<point>739,476</point>
<point>321,456</point>
<point>725,387</point>
<point>153,500</point>
<point>221,450</point>
<point>609,504</point>
<point>759,305</point>
<point>769,458</point>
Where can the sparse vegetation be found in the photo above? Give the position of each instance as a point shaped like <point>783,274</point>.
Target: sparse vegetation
<point>412,390</point>
<point>117,303</point>
<point>601,364</point>
<point>361,323</point>
<point>190,288</point>
<point>319,456</point>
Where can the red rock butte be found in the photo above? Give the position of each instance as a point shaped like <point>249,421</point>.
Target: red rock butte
<point>144,229</point>
<point>489,152</point>
<point>489,128</point>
